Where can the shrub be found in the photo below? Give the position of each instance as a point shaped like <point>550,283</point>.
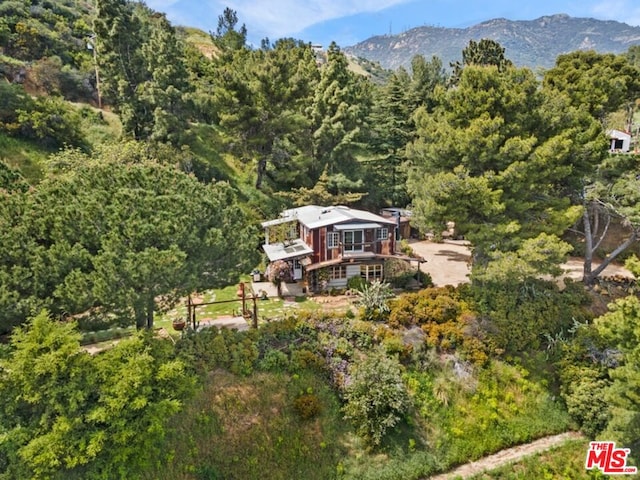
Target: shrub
<point>521,314</point>
<point>304,358</point>
<point>373,299</point>
<point>307,406</point>
<point>587,405</point>
<point>274,360</point>
<point>356,283</point>
<point>376,397</point>
<point>52,122</point>
<point>424,278</point>
<point>446,319</point>
<point>406,249</point>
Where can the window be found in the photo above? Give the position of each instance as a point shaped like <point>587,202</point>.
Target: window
<point>338,272</point>
<point>353,241</point>
<point>382,234</point>
<point>333,239</point>
<point>371,272</point>
<point>292,231</point>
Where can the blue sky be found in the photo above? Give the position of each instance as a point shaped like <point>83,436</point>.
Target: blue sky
<point>351,21</point>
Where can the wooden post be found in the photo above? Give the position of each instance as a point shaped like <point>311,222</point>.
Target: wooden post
<point>255,312</point>
<point>244,298</point>
<point>191,312</point>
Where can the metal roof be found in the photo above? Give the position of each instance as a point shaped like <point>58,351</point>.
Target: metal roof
<point>314,216</point>
<point>280,251</point>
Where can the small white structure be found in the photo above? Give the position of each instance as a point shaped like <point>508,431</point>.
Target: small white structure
<point>620,141</point>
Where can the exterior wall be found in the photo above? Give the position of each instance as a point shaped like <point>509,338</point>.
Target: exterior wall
<point>338,283</point>
<point>315,234</point>
<point>353,271</point>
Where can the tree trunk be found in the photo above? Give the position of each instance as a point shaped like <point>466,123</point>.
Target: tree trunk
<point>262,169</point>
<point>611,257</point>
<point>151,306</point>
<point>140,316</point>
<point>588,248</point>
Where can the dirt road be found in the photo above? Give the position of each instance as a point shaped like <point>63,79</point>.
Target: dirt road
<point>510,455</point>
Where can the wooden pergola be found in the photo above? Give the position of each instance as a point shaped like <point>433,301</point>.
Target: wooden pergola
<point>242,293</point>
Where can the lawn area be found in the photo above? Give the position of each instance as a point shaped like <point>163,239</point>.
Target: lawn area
<point>268,310</point>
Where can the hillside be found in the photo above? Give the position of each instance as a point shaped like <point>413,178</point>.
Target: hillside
<point>534,43</point>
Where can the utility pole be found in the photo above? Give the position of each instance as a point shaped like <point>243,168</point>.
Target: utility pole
<point>92,45</point>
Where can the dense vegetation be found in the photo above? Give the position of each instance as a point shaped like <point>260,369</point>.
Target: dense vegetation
<point>113,209</point>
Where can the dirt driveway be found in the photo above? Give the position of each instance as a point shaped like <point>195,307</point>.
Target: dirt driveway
<point>449,262</point>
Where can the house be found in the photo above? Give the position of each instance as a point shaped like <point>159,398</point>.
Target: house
<point>402,217</point>
<point>325,246</point>
<point>619,141</point>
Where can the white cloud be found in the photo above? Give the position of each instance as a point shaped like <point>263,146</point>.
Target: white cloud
<point>281,18</point>
<point>621,10</point>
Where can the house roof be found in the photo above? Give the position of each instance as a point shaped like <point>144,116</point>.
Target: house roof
<point>618,135</point>
<point>280,251</point>
<point>314,216</point>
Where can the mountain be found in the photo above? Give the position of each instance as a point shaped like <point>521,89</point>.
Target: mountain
<point>532,43</point>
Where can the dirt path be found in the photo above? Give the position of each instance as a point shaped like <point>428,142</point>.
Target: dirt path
<point>510,455</point>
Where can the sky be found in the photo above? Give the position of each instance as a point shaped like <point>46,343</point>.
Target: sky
<point>348,22</point>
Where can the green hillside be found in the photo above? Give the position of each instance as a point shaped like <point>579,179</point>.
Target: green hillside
<point>135,175</point>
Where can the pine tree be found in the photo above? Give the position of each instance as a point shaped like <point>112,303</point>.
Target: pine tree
<point>143,70</point>
<point>340,108</point>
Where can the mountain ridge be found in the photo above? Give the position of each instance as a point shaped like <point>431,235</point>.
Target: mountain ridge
<point>531,43</point>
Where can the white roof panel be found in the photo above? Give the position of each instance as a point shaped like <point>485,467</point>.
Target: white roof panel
<point>280,251</point>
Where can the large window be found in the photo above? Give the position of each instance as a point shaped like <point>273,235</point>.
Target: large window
<point>371,272</point>
<point>336,273</point>
<point>353,241</point>
<point>333,239</point>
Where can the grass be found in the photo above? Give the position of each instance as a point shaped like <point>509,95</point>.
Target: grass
<point>501,407</point>
<point>457,420</point>
<point>566,461</point>
<point>99,126</point>
<point>103,336</point>
<point>268,310</point>
<point>247,428</point>
<point>24,156</point>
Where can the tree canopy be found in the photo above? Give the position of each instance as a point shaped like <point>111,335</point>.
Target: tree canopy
<point>502,159</point>
<point>67,414</point>
<point>118,231</point>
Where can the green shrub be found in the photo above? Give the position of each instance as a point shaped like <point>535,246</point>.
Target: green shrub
<point>521,315</point>
<point>274,361</point>
<point>307,406</point>
<point>304,358</point>
<point>53,123</point>
<point>376,397</point>
<point>373,300</point>
<point>586,403</point>
<point>406,248</point>
<point>356,283</point>
<point>424,278</point>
